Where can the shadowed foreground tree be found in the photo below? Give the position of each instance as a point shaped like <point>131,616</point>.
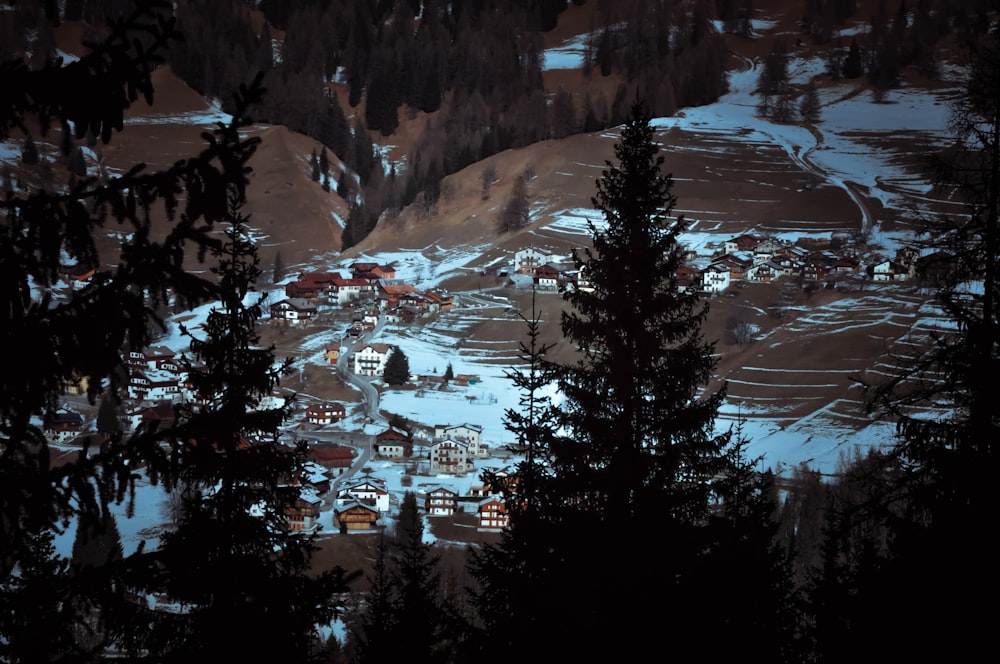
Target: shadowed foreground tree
<point>950,458</point>
<point>164,222</point>
<point>632,448</point>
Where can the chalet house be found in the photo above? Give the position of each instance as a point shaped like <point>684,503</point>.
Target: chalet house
<point>390,296</point>
<point>355,517</point>
<point>370,360</point>
<point>548,276</point>
<point>154,386</point>
<point>343,291</point>
<point>527,260</point>
<point>687,277</point>
<point>303,516</point>
<point>738,264</point>
<point>337,459</point>
<point>493,514</point>
<point>441,501</point>
<point>888,271</point>
<point>372,271</point>
<point>933,268</point>
<point>715,278</point>
<point>470,434</point>
<point>391,444</point>
<point>303,289</point>
<point>154,357</point>
<point>814,271</point>
<point>743,243</point>
<point>63,425</point>
<point>294,310</point>
<point>325,413</point>
<point>450,457</point>
<point>440,300</point>
<point>765,272</point>
<point>321,279</point>
<point>368,491</point>
<point>315,476</point>
<point>766,249</point>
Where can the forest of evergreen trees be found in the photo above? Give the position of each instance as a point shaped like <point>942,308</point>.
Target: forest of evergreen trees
<point>636,527</point>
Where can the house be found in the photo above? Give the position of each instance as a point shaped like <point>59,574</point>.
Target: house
<point>493,514</point>
<point>441,501</point>
<point>370,360</point>
<point>687,277</point>
<point>337,459</point>
<point>548,276</point>
<point>737,264</point>
<point>390,296</point>
<point>368,491</point>
<point>302,289</point>
<point>391,444</point>
<point>934,268</point>
<point>888,270</point>
<point>715,278</point>
<point>527,260</point>
<point>343,291</point>
<point>315,476</point>
<point>303,516</point>
<point>325,413</point>
<point>470,434</point>
<point>450,457</point>
<point>63,425</point>
<point>154,357</point>
<point>372,271</point>
<point>355,517</point>
<point>765,272</point>
<point>440,300</point>
<point>294,310</point>
<point>743,243</point>
<point>152,385</point>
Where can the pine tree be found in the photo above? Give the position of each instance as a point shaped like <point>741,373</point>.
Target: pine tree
<point>853,65</point>
<point>809,108</point>
<point>324,169</point>
<point>232,559</point>
<point>278,271</point>
<point>314,171</point>
<point>636,446</point>
<point>397,368</point>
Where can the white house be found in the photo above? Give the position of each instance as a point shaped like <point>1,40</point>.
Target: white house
<point>370,360</point>
<point>367,491</point>
<point>441,501</point>
<point>450,456</point>
<point>527,260</point>
<point>294,310</point>
<point>470,434</point>
<point>715,278</point>
<point>154,386</point>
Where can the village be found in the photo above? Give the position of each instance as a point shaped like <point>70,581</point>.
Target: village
<point>341,491</point>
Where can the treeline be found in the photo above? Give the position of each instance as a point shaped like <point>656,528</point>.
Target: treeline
<point>339,69</point>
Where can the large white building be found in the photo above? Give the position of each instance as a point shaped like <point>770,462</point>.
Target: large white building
<point>370,360</point>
